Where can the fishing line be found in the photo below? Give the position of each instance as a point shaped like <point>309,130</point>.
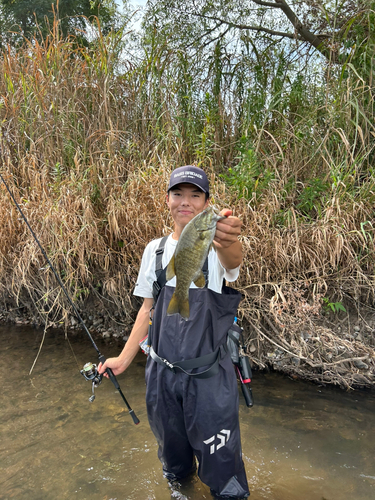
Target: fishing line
<point>101,357</point>
<point>71,348</point>
<point>40,348</point>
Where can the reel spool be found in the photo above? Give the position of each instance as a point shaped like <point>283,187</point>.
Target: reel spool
<point>91,374</point>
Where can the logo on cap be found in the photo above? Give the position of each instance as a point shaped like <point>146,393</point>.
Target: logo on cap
<point>189,174</point>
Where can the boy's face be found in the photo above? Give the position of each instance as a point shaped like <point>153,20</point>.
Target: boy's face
<point>185,201</point>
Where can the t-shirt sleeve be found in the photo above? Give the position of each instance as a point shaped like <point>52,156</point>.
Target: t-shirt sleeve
<point>142,287</point>
<point>232,274</point>
<point>218,272</point>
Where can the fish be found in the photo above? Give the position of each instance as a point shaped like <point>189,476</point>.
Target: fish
<point>187,261</point>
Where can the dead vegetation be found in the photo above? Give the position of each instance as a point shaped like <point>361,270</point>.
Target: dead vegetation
<point>285,276</point>
<point>90,175</point>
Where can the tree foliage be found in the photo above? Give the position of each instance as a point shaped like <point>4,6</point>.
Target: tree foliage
<point>24,19</point>
<point>307,24</point>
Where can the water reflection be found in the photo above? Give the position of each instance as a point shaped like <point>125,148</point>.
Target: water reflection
<point>300,441</point>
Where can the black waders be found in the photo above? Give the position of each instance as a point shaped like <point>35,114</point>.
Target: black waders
<point>195,415</point>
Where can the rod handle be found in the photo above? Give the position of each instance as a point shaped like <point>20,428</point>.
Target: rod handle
<point>134,417</point>
<point>246,389</point>
<point>114,381</point>
<point>247,394</point>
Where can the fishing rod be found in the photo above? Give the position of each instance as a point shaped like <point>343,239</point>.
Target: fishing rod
<point>89,371</point>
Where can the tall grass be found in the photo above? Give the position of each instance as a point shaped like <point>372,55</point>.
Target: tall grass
<point>88,153</point>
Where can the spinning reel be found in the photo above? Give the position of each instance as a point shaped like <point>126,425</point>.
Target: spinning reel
<point>91,374</point>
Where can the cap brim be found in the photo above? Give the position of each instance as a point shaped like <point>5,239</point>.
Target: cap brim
<point>188,182</point>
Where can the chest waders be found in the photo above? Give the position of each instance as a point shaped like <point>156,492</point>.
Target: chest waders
<point>192,394</point>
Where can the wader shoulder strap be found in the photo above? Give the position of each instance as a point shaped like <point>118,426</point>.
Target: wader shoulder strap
<point>161,273</point>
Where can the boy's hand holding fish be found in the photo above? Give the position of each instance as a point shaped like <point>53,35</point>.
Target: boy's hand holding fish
<point>226,241</point>
<point>227,230</point>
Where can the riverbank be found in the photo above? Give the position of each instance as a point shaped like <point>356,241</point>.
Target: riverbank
<point>99,320</point>
<point>332,350</point>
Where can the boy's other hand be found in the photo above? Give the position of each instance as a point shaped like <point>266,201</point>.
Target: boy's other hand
<point>227,230</point>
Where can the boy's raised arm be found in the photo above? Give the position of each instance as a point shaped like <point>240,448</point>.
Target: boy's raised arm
<point>228,246</point>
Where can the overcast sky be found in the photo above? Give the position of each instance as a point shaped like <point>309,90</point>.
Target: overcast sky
<point>135,3</point>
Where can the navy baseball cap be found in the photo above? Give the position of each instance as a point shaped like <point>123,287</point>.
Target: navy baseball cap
<point>191,175</point>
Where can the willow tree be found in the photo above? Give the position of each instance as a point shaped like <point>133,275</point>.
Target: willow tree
<point>318,24</point>
<point>21,19</point>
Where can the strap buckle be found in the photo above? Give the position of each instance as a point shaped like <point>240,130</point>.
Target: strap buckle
<point>168,365</point>
<point>156,289</point>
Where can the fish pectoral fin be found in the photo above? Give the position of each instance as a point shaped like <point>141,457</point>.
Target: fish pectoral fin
<point>180,306</point>
<point>200,281</point>
<point>171,272</point>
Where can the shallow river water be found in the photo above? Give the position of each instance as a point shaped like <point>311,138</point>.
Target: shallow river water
<point>300,441</point>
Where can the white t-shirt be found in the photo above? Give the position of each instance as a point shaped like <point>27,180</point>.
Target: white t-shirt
<point>147,276</point>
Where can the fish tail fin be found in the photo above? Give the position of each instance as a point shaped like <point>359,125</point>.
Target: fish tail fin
<point>185,309</point>
<point>180,306</point>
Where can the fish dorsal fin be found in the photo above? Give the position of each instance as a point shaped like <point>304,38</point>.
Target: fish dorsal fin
<point>200,281</point>
<point>171,271</point>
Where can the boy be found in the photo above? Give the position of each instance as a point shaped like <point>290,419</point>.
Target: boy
<point>192,409</point>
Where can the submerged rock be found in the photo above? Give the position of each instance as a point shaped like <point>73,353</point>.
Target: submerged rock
<point>360,364</point>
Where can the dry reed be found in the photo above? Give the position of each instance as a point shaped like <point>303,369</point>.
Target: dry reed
<point>82,152</point>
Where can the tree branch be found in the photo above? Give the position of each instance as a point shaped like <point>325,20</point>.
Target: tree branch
<point>302,33</point>
<point>306,34</point>
<point>205,34</point>
<point>273,5</point>
<point>218,37</point>
<point>247,26</point>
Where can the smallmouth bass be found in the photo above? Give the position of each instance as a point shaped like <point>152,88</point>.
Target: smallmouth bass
<point>186,263</point>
